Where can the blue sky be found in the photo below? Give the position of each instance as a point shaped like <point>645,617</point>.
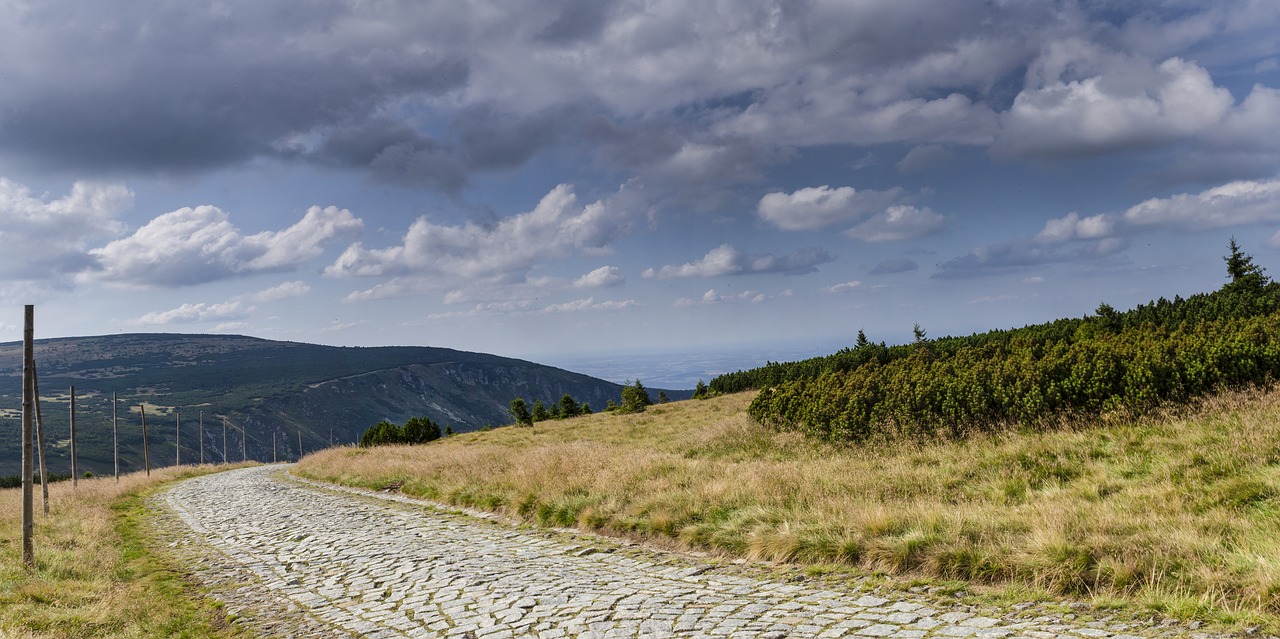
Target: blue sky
<point>580,179</point>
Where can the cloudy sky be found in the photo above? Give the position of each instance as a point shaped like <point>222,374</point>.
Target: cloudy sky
<point>591,178</point>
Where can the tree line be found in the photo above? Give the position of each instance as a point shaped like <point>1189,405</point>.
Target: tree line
<point>634,399</point>
<point>417,430</point>
<point>1165,350</point>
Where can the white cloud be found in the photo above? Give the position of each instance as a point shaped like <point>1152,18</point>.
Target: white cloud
<point>431,255</point>
<point>1232,204</point>
<point>590,304</point>
<point>526,307</point>
<point>820,207</point>
<point>47,239</point>
<point>603,277</point>
<point>843,287</point>
<point>197,245</point>
<point>193,313</point>
<point>727,260</point>
<point>286,290</point>
<point>898,222</point>
<point>1133,104</point>
<point>1073,227</point>
<point>714,297</point>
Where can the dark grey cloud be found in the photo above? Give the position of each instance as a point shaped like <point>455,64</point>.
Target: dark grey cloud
<point>1017,255</point>
<point>698,97</point>
<point>168,87</point>
<point>577,21</point>
<point>895,265</point>
<point>490,139</point>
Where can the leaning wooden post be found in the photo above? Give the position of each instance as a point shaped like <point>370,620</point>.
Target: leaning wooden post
<point>146,451</point>
<point>74,478</point>
<point>177,437</point>
<point>28,362</point>
<point>44,463</point>
<point>224,439</point>
<point>299,444</point>
<point>115,433</point>
<point>201,438</point>
<point>273,447</point>
<point>244,447</point>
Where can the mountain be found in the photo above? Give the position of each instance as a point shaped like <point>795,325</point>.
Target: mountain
<point>325,394</point>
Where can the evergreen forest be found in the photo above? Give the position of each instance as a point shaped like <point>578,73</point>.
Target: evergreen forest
<point>1160,352</point>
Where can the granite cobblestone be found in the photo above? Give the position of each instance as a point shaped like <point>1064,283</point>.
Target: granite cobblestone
<point>358,566</point>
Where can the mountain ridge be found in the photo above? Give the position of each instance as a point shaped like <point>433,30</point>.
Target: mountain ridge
<point>276,391</point>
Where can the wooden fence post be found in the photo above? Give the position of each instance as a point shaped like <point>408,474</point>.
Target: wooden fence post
<point>115,433</point>
<point>74,471</point>
<point>201,438</point>
<point>44,464</point>
<point>273,447</point>
<point>146,451</point>
<point>177,437</point>
<point>299,444</point>
<point>244,447</point>
<point>224,439</point>
<point>28,360</point>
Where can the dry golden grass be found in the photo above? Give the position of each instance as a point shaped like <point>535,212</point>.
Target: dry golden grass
<point>94,574</point>
<point>1176,513</point>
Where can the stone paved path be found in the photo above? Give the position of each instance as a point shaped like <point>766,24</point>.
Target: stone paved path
<point>366,567</point>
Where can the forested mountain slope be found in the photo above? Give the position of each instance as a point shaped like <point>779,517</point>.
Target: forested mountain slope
<point>326,393</point>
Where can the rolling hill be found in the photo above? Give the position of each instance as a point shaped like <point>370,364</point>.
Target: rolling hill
<point>327,394</point>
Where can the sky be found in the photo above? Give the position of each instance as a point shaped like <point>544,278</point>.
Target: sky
<point>592,181</point>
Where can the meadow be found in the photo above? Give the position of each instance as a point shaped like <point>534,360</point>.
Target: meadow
<point>1176,510</point>
<point>99,572</point>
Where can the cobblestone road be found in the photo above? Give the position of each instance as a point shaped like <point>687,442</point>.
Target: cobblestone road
<point>367,567</point>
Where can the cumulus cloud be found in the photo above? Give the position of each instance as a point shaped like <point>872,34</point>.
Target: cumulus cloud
<point>1073,227</point>
<point>727,260</point>
<point>1075,238</point>
<point>286,290</point>
<point>200,312</point>
<point>823,206</point>
<point>1016,255</point>
<point>198,245</point>
<point>714,297</point>
<point>431,255</point>
<point>1131,105</point>
<point>47,239</point>
<point>874,215</point>
<point>1231,204</point>
<point>898,222</point>
<point>605,276</point>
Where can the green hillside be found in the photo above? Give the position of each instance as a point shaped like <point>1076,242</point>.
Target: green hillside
<point>325,393</point>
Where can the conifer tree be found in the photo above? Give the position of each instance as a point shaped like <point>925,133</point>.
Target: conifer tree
<point>520,412</point>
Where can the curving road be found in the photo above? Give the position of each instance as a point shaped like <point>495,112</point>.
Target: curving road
<point>360,565</point>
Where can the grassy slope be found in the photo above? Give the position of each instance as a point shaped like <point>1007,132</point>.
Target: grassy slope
<point>97,574</point>
<point>1179,514</point>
